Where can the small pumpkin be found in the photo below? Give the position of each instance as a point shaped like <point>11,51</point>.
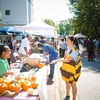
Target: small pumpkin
<point>26,86</point>
<point>17,78</point>
<point>40,65</point>
<point>34,85</point>
<point>1,80</point>
<point>14,87</point>
<point>33,78</point>
<point>30,91</point>
<point>3,87</point>
<point>7,81</point>
<point>21,82</point>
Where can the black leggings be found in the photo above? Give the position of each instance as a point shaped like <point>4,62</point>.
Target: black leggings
<point>90,53</point>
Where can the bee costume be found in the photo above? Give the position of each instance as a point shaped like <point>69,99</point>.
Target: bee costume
<point>71,70</point>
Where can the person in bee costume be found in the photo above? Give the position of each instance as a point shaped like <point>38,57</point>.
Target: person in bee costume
<point>71,66</point>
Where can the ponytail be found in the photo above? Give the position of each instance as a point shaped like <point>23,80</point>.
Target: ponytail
<point>75,41</point>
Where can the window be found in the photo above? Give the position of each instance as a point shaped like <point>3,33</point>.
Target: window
<point>7,12</point>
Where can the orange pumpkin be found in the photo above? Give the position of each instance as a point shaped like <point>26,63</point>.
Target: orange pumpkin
<point>33,78</point>
<point>8,82</point>
<point>26,86</point>
<point>1,80</point>
<point>17,78</point>
<point>3,87</point>
<point>22,82</point>
<point>25,78</point>
<point>40,65</point>
<point>14,87</point>
<point>34,85</point>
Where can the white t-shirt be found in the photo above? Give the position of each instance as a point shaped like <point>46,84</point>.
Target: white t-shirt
<point>13,41</point>
<point>25,43</point>
<point>60,43</point>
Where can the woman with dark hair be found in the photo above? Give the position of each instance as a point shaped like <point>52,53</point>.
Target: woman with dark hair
<point>4,55</point>
<point>71,66</point>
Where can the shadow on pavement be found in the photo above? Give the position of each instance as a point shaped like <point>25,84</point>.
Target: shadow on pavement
<point>93,66</point>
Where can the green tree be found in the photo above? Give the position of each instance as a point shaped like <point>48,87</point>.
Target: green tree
<point>87,16</point>
<point>50,22</point>
<point>64,26</point>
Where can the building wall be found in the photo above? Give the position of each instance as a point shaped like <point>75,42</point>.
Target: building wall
<point>21,12</point>
<point>0,20</point>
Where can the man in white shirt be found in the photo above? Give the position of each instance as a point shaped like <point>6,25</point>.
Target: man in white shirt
<point>25,46</point>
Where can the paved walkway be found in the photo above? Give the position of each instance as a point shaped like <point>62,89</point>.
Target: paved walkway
<point>89,82</point>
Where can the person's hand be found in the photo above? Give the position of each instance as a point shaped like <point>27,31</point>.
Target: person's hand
<point>41,55</point>
<point>11,73</point>
<point>53,62</point>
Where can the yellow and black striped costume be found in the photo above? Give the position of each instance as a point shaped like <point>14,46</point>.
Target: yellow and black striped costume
<point>71,70</point>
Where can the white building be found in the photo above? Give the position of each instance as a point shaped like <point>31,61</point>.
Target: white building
<point>16,12</point>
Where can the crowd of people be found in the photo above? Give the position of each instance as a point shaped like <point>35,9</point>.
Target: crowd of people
<point>66,48</point>
<point>92,46</point>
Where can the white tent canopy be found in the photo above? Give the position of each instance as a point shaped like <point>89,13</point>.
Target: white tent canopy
<point>43,33</point>
<point>79,35</point>
<point>35,25</point>
<point>49,34</point>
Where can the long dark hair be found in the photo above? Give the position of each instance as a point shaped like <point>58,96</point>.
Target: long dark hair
<point>75,41</point>
<point>2,49</point>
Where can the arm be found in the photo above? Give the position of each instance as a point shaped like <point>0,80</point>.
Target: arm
<point>4,69</point>
<point>25,49</point>
<point>62,60</point>
<point>31,46</point>
<point>65,60</point>
<point>45,54</point>
<point>14,43</point>
<point>73,56</point>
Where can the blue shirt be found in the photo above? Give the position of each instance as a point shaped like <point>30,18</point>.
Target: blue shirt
<point>63,46</point>
<point>42,41</point>
<point>74,54</point>
<point>51,51</point>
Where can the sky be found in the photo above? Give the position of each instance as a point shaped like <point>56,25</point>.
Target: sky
<point>55,10</point>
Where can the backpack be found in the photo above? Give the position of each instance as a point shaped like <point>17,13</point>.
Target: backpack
<point>10,45</point>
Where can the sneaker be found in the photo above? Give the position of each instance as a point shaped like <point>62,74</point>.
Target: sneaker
<point>67,98</point>
<point>49,81</point>
<point>50,76</point>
